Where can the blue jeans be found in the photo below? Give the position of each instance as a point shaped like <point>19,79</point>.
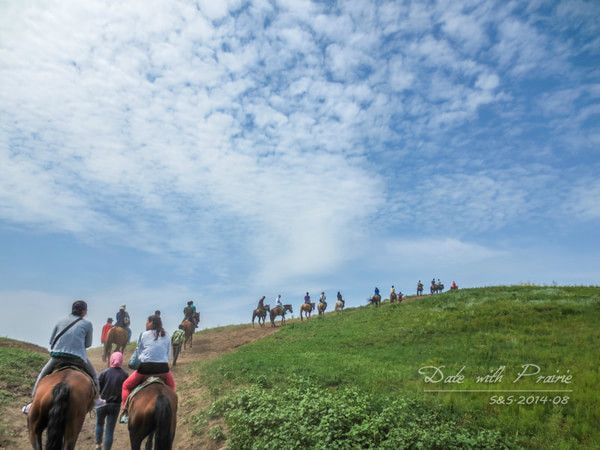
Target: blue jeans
<point>107,413</point>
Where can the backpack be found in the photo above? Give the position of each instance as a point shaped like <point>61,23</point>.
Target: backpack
<point>177,337</point>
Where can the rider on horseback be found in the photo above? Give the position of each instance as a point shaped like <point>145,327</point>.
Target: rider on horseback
<point>189,313</point>
<point>105,329</point>
<point>278,301</point>
<point>340,299</point>
<point>261,304</point>
<point>153,349</point>
<point>124,321</point>
<point>322,299</point>
<point>70,338</point>
<point>307,299</point>
<point>376,291</point>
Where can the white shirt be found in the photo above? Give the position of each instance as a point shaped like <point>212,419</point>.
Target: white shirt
<point>151,350</point>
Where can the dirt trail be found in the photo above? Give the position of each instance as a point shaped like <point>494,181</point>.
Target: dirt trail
<point>206,346</point>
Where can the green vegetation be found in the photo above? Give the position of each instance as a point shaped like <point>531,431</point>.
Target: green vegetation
<point>19,365</point>
<point>375,355</point>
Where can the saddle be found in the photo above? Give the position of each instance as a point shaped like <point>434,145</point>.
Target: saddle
<point>72,365</point>
<point>147,382</point>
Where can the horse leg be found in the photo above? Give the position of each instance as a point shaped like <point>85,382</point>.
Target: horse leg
<point>149,441</point>
<point>135,439</point>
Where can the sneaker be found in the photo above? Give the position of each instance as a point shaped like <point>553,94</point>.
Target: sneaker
<point>25,409</point>
<point>99,402</point>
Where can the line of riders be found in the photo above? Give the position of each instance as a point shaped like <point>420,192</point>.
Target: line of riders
<point>109,392</point>
<point>280,309</point>
<point>307,307</point>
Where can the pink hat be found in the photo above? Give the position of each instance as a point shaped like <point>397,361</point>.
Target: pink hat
<point>116,359</point>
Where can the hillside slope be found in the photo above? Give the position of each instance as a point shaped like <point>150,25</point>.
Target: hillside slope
<point>380,351</point>
<point>20,362</point>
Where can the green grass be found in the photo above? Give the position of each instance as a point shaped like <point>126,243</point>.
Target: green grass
<point>19,365</point>
<point>379,352</point>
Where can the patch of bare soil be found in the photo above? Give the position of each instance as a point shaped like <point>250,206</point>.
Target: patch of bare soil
<point>207,345</point>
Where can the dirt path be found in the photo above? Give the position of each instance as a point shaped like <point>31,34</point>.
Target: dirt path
<point>207,345</point>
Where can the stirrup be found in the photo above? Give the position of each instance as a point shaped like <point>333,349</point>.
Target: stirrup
<point>25,409</point>
<point>124,417</point>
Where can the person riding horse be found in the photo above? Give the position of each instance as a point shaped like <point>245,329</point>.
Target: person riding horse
<point>419,288</point>
<point>307,299</point>
<point>261,304</point>
<point>322,299</point>
<point>68,343</point>
<point>340,299</point>
<point>189,313</point>
<point>105,329</point>
<point>154,348</point>
<point>123,321</point>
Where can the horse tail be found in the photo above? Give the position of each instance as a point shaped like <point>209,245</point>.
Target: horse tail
<point>57,416</point>
<point>162,419</point>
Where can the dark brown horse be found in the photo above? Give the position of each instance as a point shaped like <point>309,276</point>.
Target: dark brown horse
<point>188,329</point>
<point>116,336</point>
<point>153,416</point>
<point>307,308</point>
<point>393,297</point>
<point>261,313</point>
<point>375,300</point>
<point>60,404</point>
<point>279,311</point>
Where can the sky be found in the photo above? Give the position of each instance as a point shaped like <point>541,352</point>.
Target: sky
<point>153,152</point>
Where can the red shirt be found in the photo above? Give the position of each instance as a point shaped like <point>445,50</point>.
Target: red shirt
<point>105,329</point>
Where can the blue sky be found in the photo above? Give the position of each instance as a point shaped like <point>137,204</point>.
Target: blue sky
<point>152,152</point>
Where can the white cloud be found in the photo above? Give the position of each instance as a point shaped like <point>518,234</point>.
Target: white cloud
<point>221,135</point>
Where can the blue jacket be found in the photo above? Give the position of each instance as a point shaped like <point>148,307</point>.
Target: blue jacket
<point>75,340</point>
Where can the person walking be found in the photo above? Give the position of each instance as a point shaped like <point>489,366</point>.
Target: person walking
<point>111,385</point>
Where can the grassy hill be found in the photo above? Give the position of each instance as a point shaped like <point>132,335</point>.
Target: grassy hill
<point>20,363</point>
<point>352,380</point>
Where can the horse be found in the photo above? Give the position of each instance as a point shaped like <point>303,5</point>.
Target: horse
<point>308,308</point>
<point>117,336</point>
<point>393,297</point>
<point>375,300</point>
<point>436,288</point>
<point>321,308</point>
<point>339,305</point>
<point>176,350</point>
<point>419,289</point>
<point>261,313</point>
<point>153,415</point>
<point>188,329</point>
<point>279,311</point>
<point>60,404</point>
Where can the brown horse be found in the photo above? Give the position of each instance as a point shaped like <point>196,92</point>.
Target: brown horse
<point>261,314</point>
<point>307,308</point>
<point>279,311</point>
<point>116,336</point>
<point>188,329</point>
<point>375,300</point>
<point>321,308</point>
<point>153,415</point>
<point>393,297</point>
<point>61,402</point>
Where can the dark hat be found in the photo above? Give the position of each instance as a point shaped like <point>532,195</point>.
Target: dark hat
<point>110,319</point>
